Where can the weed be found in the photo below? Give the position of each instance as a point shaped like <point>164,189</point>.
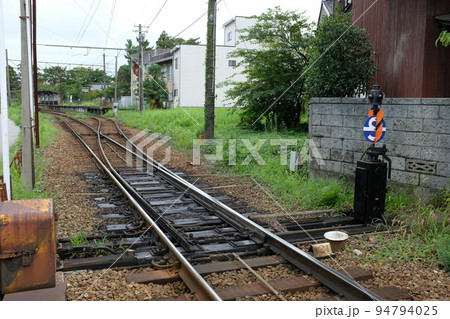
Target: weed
<point>79,239</point>
<point>443,251</point>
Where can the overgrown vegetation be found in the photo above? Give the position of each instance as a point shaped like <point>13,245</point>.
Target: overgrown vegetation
<point>341,58</point>
<point>423,227</point>
<point>48,134</point>
<point>273,91</point>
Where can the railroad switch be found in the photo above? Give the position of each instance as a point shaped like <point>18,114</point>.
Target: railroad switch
<point>372,172</point>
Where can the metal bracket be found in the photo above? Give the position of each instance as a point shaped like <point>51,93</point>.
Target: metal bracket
<point>27,255</point>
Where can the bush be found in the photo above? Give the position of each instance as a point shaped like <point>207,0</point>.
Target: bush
<point>443,251</point>
<point>341,59</point>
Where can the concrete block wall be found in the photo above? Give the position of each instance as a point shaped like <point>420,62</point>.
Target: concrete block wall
<point>417,137</point>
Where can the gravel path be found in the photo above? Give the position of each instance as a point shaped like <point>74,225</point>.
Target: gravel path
<point>67,161</point>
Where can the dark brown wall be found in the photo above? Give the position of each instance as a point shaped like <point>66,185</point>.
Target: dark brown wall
<point>403,33</point>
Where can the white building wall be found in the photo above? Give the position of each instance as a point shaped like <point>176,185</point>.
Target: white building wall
<point>232,32</point>
<point>189,77</point>
<point>189,67</point>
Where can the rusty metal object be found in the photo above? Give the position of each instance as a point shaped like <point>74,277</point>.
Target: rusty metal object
<point>3,195</point>
<point>27,245</point>
<point>17,161</point>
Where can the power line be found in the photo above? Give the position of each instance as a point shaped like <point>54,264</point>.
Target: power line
<point>79,47</point>
<point>195,21</point>
<point>158,13</point>
<point>92,16</point>
<point>111,18</point>
<point>85,19</point>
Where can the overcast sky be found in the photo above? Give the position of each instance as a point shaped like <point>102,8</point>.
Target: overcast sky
<point>87,23</point>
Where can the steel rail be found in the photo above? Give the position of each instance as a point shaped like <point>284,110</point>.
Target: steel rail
<point>328,276</point>
<point>190,276</point>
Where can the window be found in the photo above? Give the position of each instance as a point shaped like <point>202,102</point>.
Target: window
<point>175,93</point>
<point>176,63</point>
<point>231,62</point>
<point>229,36</point>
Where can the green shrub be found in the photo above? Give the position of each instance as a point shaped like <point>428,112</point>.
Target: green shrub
<point>443,251</point>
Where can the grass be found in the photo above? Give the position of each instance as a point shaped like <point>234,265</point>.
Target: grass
<point>48,134</point>
<point>423,227</point>
<point>294,190</point>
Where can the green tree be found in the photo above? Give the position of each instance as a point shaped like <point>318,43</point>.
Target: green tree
<point>124,80</point>
<point>14,83</point>
<point>167,42</point>
<point>274,88</point>
<point>341,58</point>
<point>155,87</point>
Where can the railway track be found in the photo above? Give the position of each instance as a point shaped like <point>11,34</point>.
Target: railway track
<point>176,218</point>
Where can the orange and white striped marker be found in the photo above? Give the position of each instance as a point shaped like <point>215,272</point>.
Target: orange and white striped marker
<point>378,124</point>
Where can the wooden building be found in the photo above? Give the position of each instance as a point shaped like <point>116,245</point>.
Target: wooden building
<point>403,34</point>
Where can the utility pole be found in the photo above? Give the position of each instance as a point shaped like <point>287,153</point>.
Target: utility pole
<point>210,70</point>
<point>141,40</point>
<point>61,85</point>
<point>4,106</point>
<point>27,134</point>
<point>104,80</point>
<point>115,83</point>
<point>35,76</point>
<point>8,80</point>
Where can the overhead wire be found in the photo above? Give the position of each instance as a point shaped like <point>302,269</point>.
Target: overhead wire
<point>162,7</point>
<point>85,19</point>
<point>111,18</point>
<point>91,18</point>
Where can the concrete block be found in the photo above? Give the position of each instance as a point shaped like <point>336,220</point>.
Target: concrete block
<point>406,151</point>
<point>348,169</point>
<point>398,163</point>
<point>354,100</point>
<point>420,139</point>
<point>423,111</point>
<point>322,108</point>
<point>347,133</point>
<point>444,112</point>
<point>436,126</point>
<point>330,100</point>
<point>341,156</point>
<point>354,121</point>
<point>399,101</point>
<point>315,119</point>
<point>322,153</point>
<point>362,110</point>
<point>332,166</point>
<point>331,143</point>
<point>332,120</point>
<point>343,109</point>
<point>391,111</point>
<point>435,154</point>
<point>314,100</point>
<point>405,177</point>
<point>315,140</point>
<point>431,181</point>
<point>409,125</point>
<point>436,101</point>
<point>320,131</point>
<point>443,169</point>
<point>354,145</point>
<point>394,137</point>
